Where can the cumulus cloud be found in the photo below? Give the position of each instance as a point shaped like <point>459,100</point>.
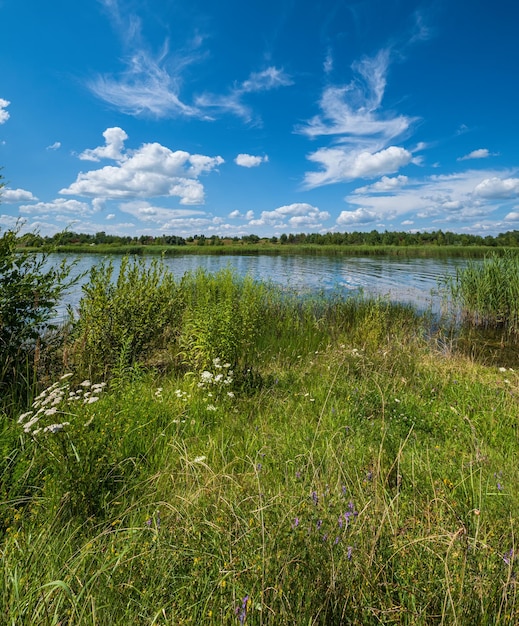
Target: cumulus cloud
<point>146,212</point>
<point>359,216</point>
<point>60,206</point>
<point>248,160</point>
<point>113,148</point>
<point>232,102</point>
<point>513,216</point>
<point>340,164</point>
<point>4,115</point>
<point>498,187</point>
<point>150,171</point>
<point>297,215</point>
<point>446,198</point>
<point>481,153</point>
<point>16,195</point>
<point>384,184</point>
<point>55,146</point>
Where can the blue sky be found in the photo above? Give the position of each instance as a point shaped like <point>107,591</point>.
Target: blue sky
<point>175,117</point>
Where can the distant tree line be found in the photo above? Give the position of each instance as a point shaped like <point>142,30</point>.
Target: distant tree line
<point>372,238</point>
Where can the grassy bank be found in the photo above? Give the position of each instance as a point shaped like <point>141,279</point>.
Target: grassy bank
<point>255,458</point>
<point>286,249</point>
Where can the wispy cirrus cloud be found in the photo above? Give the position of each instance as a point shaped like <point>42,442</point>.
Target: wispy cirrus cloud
<point>362,134</point>
<point>233,101</point>
<point>150,82</point>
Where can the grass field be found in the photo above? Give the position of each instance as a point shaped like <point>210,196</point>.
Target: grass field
<point>256,458</point>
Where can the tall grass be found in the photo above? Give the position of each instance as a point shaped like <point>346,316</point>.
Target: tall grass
<point>335,470</point>
<point>487,292</point>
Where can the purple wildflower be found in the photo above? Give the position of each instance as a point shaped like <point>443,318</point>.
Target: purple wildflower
<point>509,556</point>
<point>242,611</point>
<point>348,555</point>
<point>319,523</point>
<point>296,523</point>
<point>315,497</point>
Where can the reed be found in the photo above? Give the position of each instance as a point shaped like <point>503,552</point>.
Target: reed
<point>487,293</point>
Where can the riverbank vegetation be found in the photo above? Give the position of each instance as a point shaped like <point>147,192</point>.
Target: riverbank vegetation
<point>427,244</point>
<point>210,450</point>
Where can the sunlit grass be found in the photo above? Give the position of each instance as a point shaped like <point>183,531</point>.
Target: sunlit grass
<point>337,469</point>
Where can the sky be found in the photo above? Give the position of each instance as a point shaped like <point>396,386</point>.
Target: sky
<point>261,117</point>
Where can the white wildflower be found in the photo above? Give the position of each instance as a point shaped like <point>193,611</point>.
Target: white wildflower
<point>53,410</point>
<point>90,400</point>
<point>86,383</point>
<point>502,369</point>
<point>65,376</point>
<point>206,376</point>
<point>55,428</point>
<point>230,394</point>
<point>199,459</point>
<point>211,407</point>
<point>24,416</point>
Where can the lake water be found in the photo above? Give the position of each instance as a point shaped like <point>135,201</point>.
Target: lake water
<point>413,281</point>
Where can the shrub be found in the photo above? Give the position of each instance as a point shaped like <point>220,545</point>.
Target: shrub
<point>30,289</point>
<point>124,318</point>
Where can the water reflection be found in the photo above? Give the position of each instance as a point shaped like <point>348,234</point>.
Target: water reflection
<point>412,281</point>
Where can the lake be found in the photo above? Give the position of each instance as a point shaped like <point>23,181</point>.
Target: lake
<point>404,280</point>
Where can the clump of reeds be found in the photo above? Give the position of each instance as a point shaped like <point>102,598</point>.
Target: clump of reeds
<point>487,293</point>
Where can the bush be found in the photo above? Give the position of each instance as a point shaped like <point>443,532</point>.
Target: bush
<point>122,321</point>
<point>29,293</point>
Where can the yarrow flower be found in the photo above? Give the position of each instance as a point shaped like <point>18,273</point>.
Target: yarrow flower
<point>54,400</point>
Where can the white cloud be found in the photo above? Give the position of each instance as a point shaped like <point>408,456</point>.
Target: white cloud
<point>384,184</point>
<point>55,146</point>
<point>359,216</point>
<point>352,111</point>
<point>513,216</point>
<point>268,79</point>
<point>114,145</point>
<point>4,115</point>
<point>16,195</point>
<point>146,212</point>
<point>60,206</point>
<point>110,216</point>
<point>497,187</point>
<point>481,153</point>
<point>362,133</point>
<point>234,215</point>
<point>297,215</point>
<point>248,160</point>
<point>150,171</point>
<point>232,102</point>
<point>446,198</point>
<point>342,165</point>
<point>150,83</point>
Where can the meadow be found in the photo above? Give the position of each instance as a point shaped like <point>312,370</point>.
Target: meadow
<point>212,450</point>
